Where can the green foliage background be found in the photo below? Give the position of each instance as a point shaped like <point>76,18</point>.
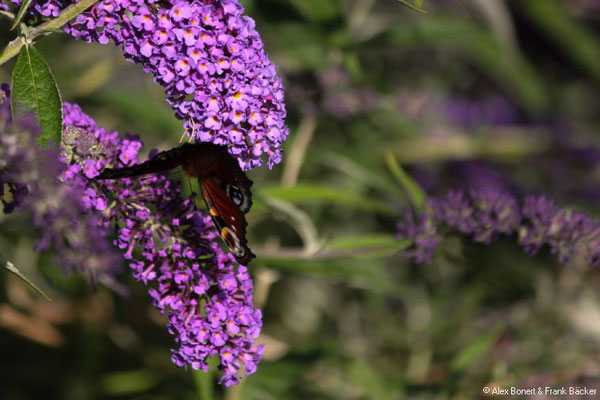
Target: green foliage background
<point>345,315</point>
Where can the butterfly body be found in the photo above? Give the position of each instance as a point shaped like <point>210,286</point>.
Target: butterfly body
<point>225,187</point>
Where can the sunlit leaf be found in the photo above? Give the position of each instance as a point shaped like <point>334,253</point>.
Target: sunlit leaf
<point>34,89</point>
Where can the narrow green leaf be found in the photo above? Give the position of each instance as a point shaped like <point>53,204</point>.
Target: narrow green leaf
<point>129,382</point>
<point>474,351</point>
<point>370,176</point>
<point>469,42</point>
<point>575,39</point>
<point>416,194</point>
<point>21,13</point>
<point>318,10</point>
<point>11,268</point>
<point>366,241</point>
<point>34,89</point>
<point>371,246</point>
<point>310,193</point>
<point>415,7</point>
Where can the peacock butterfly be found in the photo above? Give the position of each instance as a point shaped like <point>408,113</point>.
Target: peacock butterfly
<point>225,187</point>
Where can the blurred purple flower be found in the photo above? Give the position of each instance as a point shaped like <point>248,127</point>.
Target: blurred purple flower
<point>461,111</point>
<point>421,231</point>
<point>341,98</point>
<point>29,178</point>
<point>484,215</point>
<point>493,110</point>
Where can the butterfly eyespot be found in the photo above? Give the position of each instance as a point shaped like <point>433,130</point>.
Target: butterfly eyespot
<point>235,194</point>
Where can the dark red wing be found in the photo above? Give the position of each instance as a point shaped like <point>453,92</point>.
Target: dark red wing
<point>225,187</point>
<point>229,220</point>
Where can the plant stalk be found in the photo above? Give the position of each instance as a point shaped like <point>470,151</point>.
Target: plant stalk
<point>69,13</point>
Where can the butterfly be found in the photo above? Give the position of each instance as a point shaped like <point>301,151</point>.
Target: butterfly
<point>225,187</point>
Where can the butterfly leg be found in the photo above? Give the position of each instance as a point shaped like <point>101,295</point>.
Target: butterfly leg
<point>193,131</point>
<point>185,131</point>
<point>192,191</point>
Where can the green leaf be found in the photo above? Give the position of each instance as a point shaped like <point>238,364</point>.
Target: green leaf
<point>416,194</point>
<point>302,46</point>
<point>416,6</point>
<point>577,41</point>
<point>21,13</point>
<point>371,245</point>
<point>318,10</point>
<point>467,40</point>
<point>11,268</point>
<point>372,177</point>
<point>129,382</point>
<point>34,89</point>
<point>473,353</point>
<point>310,193</point>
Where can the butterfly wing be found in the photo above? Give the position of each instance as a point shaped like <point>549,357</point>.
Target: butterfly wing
<point>228,217</point>
<point>162,161</point>
<point>225,187</point>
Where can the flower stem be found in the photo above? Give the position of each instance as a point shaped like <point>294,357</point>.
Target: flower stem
<point>204,384</point>
<point>13,48</point>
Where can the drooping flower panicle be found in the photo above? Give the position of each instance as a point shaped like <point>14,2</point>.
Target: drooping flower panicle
<point>484,215</point>
<point>172,248</point>
<point>209,58</point>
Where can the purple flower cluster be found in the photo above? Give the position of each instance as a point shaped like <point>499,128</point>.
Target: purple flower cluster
<point>483,215</point>
<point>569,234</point>
<point>171,247</point>
<point>422,232</point>
<point>209,58</point>
<point>212,63</point>
<point>28,176</point>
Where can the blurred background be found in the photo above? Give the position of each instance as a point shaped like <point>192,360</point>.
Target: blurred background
<point>471,93</point>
